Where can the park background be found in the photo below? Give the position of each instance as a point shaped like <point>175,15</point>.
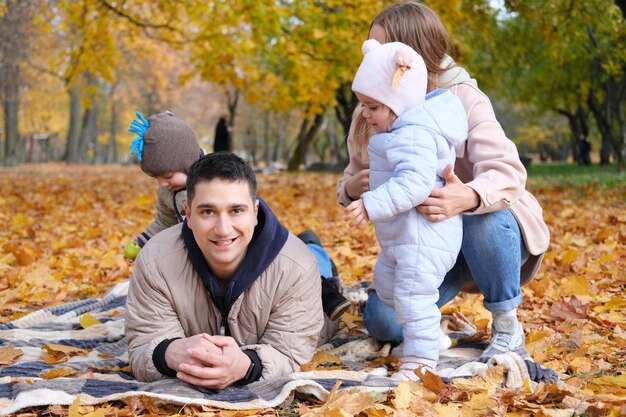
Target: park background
<point>73,73</point>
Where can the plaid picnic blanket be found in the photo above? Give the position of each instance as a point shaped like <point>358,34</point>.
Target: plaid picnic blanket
<point>54,355</point>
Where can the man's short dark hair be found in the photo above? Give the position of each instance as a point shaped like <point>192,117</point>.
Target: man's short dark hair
<point>223,165</point>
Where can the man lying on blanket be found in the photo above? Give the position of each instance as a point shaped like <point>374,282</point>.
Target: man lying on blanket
<point>227,297</point>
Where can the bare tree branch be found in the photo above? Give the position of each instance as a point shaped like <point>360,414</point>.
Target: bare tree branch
<point>147,26</point>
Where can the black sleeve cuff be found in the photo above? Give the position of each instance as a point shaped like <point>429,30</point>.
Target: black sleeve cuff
<point>142,239</point>
<point>255,370</point>
<point>158,358</point>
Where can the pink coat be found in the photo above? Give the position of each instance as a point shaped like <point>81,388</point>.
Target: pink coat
<point>487,162</point>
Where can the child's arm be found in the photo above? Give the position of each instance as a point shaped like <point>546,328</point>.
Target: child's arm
<point>412,153</point>
<point>165,216</point>
<point>357,213</point>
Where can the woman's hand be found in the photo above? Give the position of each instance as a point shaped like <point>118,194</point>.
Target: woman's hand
<point>358,184</point>
<point>454,198</point>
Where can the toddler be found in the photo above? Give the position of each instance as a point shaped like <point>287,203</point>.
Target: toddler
<point>414,136</point>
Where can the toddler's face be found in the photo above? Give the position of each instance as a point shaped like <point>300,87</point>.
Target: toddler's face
<point>379,116</point>
<point>174,180</point>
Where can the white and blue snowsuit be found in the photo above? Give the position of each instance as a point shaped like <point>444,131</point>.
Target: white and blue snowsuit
<point>405,165</point>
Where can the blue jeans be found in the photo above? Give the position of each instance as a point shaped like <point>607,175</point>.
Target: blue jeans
<point>492,254</point>
<point>323,260</point>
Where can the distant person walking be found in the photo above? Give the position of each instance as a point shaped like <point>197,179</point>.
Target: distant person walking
<point>222,136</point>
<point>584,150</point>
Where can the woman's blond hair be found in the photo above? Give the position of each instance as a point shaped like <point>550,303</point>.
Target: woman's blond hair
<point>418,26</point>
<point>361,133</point>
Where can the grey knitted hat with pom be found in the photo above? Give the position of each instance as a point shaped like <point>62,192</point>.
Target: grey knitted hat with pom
<point>169,145</point>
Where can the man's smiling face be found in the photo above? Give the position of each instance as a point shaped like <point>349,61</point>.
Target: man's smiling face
<point>222,216</point>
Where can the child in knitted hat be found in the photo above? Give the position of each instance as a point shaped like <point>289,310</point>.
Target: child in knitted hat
<point>414,139</point>
<point>165,147</point>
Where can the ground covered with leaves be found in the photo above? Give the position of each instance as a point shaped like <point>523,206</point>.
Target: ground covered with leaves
<point>62,229</point>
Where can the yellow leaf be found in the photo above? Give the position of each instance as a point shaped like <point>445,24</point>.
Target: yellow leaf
<point>494,376</point>
<point>59,245</point>
<point>576,285</point>
<point>535,336</point>
<point>144,200</point>
<point>324,357</point>
<point>346,318</point>
<point>58,373</point>
<point>337,412</point>
<point>20,220</point>
<point>61,353</point>
<point>351,402</point>
<point>403,395</point>
<point>87,320</point>
<point>617,303</point>
<point>580,242</point>
<point>91,233</point>
<point>475,384</point>
<point>110,259</point>
<point>72,411</point>
<point>482,401</point>
<point>569,257</point>
<point>101,412</point>
<point>607,257</point>
<point>8,354</point>
<point>379,410</point>
<point>431,380</point>
<point>581,364</point>
<point>527,385</point>
<point>318,34</point>
<point>619,380</point>
<point>447,410</point>
<point>248,45</point>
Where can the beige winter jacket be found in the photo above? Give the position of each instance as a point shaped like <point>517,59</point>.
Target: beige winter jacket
<point>280,316</point>
<point>487,162</point>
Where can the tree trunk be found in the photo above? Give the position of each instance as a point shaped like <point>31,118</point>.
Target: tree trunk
<point>111,155</point>
<point>73,134</point>
<point>308,130</point>
<point>283,122</point>
<point>89,135</point>
<point>16,21</point>
<point>575,132</point>
<point>266,137</point>
<point>232,99</point>
<point>11,77</point>
<point>609,114</point>
<point>622,6</point>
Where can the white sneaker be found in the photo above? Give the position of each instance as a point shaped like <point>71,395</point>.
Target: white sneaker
<point>507,335</point>
<point>412,363</point>
<point>406,375</point>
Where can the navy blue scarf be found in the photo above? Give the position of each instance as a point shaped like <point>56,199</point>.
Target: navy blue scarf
<point>268,239</point>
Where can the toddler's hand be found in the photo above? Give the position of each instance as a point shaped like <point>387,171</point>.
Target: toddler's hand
<point>356,214</point>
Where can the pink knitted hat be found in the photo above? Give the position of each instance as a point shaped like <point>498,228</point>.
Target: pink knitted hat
<point>392,74</point>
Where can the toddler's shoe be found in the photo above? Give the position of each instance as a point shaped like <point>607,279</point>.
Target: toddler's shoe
<point>412,363</point>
